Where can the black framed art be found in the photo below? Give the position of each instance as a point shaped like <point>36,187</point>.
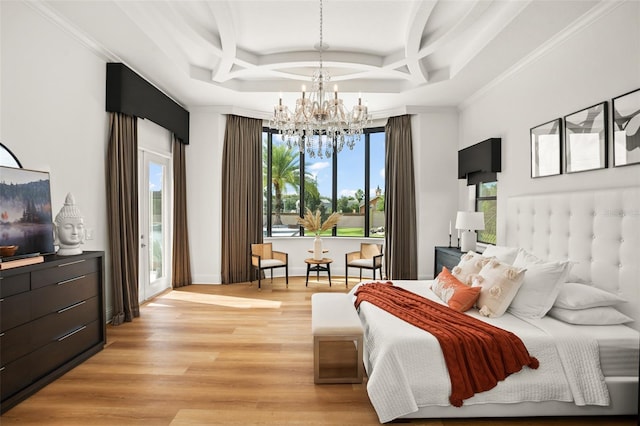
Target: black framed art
<point>546,149</point>
<point>586,139</point>
<point>626,128</point>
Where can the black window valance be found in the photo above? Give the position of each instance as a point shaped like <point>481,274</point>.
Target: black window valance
<point>130,94</point>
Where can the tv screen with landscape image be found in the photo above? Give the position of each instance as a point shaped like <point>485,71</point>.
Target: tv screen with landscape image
<point>26,223</point>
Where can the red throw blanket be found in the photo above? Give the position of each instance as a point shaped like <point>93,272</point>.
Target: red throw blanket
<point>478,355</point>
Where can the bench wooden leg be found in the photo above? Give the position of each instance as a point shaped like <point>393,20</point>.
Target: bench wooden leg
<point>329,353</point>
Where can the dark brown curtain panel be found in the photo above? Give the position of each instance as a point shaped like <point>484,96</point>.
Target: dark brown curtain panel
<point>122,203</point>
<point>241,196</point>
<point>401,259</point>
<point>181,262</point>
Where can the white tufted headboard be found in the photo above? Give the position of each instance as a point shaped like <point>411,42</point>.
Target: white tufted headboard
<point>597,230</point>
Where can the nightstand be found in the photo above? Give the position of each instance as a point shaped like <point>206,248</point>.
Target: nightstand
<point>446,256</point>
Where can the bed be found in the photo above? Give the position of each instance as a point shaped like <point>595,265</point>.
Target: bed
<point>584,369</point>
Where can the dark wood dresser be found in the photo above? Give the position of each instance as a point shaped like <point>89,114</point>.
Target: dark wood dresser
<point>52,319</point>
<point>445,256</point>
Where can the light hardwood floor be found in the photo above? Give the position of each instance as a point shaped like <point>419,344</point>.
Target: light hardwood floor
<point>218,355</point>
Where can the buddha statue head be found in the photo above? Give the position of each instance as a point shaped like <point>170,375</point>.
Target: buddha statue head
<point>69,228</point>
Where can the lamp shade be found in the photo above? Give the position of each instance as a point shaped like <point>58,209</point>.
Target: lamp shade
<point>470,220</point>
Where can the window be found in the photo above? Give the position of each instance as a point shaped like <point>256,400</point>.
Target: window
<point>293,181</point>
<point>486,202</point>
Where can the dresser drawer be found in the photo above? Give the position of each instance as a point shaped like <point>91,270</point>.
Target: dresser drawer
<point>55,325</point>
<point>53,298</point>
<point>15,343</point>
<point>64,271</point>
<point>14,284</point>
<point>15,376</point>
<point>15,310</point>
<point>52,318</point>
<point>65,348</point>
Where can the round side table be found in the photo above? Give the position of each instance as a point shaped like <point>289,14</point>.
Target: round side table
<point>323,265</point>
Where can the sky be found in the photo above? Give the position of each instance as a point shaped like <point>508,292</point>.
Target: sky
<point>155,176</point>
<point>350,168</point>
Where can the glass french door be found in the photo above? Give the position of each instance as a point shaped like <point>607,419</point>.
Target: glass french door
<point>155,224</point>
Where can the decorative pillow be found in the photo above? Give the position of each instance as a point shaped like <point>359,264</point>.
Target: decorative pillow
<point>450,290</point>
<point>470,264</point>
<point>500,283</point>
<point>601,315</point>
<point>581,296</point>
<point>540,286</point>
<point>502,253</point>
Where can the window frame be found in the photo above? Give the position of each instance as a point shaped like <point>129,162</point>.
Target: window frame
<point>366,136</point>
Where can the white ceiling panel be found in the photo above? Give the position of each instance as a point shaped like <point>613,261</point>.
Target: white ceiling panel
<point>245,52</point>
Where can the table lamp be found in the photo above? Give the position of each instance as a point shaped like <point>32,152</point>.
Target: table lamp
<point>468,223</point>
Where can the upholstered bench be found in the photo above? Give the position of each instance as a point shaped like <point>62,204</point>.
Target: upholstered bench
<point>337,339</point>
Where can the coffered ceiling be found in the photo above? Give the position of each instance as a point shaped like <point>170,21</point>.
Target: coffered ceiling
<point>396,53</point>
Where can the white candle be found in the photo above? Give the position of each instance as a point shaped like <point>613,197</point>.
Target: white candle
<point>449,227</point>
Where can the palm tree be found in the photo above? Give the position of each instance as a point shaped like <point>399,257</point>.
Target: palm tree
<point>285,170</point>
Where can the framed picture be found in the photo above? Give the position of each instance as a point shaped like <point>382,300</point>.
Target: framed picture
<point>546,149</point>
<point>626,129</point>
<point>586,139</point>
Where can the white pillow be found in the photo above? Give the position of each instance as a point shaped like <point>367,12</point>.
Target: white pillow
<point>502,253</point>
<point>500,283</point>
<point>581,296</point>
<point>602,315</point>
<point>540,287</point>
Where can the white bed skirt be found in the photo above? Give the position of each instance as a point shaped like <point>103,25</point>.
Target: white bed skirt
<point>623,392</point>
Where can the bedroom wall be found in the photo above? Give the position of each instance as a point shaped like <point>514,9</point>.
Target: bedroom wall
<point>52,112</point>
<point>435,137</point>
<point>592,65</point>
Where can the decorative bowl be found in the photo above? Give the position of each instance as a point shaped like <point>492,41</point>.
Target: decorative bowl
<point>7,251</point>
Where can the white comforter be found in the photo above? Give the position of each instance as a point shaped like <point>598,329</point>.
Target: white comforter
<point>406,368</point>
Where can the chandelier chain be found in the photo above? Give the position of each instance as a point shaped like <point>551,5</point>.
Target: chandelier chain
<point>321,42</point>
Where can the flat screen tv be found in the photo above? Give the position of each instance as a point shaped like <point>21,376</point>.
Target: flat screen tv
<point>25,212</point>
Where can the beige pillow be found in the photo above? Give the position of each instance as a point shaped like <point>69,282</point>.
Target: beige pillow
<point>470,265</point>
<point>500,283</point>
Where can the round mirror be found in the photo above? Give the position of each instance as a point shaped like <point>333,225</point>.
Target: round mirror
<point>7,158</point>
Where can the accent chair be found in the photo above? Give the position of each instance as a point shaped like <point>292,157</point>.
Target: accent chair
<point>369,257</point>
<point>264,257</point>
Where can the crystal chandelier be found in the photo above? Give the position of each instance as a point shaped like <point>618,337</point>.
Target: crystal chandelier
<point>320,121</point>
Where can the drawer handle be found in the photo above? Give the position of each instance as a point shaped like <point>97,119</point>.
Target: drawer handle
<point>70,263</point>
<point>71,280</point>
<point>2,368</point>
<point>1,334</point>
<point>72,333</point>
<point>72,306</point>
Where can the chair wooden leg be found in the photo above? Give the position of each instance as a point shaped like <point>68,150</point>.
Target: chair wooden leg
<point>286,274</point>
<point>346,276</point>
